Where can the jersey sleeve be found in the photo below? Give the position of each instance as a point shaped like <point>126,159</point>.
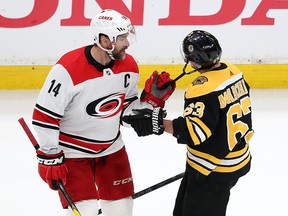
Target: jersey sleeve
<point>52,101</point>
<point>199,120</point>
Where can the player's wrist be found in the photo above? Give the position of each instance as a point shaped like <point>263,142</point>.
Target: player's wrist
<point>50,159</point>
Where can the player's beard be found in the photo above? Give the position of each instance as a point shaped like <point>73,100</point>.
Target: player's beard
<point>119,54</point>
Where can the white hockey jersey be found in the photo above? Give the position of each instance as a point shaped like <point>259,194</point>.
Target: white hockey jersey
<point>80,104</point>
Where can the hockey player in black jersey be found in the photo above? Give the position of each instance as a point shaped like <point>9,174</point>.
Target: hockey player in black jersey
<point>216,127</point>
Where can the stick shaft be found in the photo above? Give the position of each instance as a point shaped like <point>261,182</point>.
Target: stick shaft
<point>66,195</point>
<point>68,198</point>
<point>60,185</point>
<point>178,77</point>
<point>158,185</point>
<point>154,187</point>
<point>29,133</point>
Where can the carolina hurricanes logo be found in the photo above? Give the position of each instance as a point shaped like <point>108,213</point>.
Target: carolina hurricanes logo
<point>106,106</point>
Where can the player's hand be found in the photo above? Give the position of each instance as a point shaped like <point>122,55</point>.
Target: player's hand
<point>158,88</point>
<point>146,122</point>
<point>164,81</point>
<point>51,168</point>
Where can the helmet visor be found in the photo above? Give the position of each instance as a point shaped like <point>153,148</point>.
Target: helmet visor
<point>132,35</point>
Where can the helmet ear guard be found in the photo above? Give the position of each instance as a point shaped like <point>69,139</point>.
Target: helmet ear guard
<point>201,48</point>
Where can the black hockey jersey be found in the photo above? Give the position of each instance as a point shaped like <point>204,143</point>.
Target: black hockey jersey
<point>216,124</point>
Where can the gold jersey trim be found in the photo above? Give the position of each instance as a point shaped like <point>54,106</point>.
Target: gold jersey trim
<point>216,80</point>
<point>206,163</point>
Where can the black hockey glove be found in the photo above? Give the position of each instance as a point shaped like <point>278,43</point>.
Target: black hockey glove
<point>146,122</point>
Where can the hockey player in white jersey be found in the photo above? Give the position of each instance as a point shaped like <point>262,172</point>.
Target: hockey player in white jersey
<point>77,119</point>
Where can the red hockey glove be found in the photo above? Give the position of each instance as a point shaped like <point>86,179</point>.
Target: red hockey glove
<point>158,89</point>
<point>146,122</point>
<point>51,168</point>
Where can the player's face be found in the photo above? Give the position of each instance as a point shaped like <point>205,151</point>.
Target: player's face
<point>194,65</point>
<point>121,45</point>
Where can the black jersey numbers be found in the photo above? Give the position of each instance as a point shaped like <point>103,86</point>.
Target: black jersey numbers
<point>55,87</point>
<point>235,125</point>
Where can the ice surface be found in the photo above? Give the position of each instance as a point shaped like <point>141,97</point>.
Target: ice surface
<point>263,191</point>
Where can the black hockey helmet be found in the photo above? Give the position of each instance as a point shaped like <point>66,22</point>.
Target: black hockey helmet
<point>202,48</point>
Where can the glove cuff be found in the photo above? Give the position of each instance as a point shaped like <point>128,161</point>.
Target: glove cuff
<point>151,99</point>
<point>157,121</point>
<point>50,160</point>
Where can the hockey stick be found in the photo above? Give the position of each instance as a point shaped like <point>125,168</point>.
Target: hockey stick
<point>158,185</point>
<point>66,195</point>
<point>184,72</point>
<point>154,187</point>
<point>61,186</point>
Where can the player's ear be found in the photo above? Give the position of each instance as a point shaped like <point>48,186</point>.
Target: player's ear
<point>104,41</point>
